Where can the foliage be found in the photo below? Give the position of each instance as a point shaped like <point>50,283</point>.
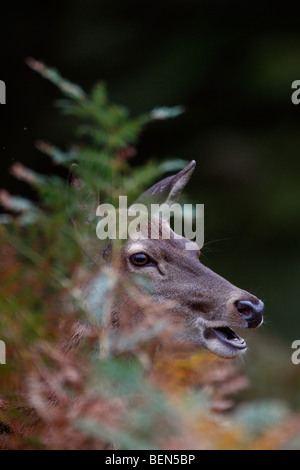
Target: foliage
<point>67,383</point>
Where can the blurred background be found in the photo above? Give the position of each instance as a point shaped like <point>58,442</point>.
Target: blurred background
<point>231,66</point>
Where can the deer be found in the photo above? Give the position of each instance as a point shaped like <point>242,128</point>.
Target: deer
<point>209,306</point>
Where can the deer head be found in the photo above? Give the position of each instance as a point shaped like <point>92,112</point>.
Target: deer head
<point>209,305</point>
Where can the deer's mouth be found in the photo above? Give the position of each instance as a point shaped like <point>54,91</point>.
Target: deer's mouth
<point>224,341</point>
<point>227,335</point>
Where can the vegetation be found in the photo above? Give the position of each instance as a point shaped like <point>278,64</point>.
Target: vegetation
<point>67,384</point>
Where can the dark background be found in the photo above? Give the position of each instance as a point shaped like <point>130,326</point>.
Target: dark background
<point>231,66</point>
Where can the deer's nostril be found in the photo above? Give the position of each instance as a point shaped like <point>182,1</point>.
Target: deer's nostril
<point>245,307</point>
<point>250,311</point>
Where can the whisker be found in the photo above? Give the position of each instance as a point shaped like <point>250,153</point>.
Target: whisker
<point>207,245</point>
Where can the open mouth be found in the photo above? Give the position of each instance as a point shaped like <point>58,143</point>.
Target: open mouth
<point>224,342</point>
<point>228,336</point>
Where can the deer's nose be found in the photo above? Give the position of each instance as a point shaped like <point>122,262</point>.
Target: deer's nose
<point>251,312</point>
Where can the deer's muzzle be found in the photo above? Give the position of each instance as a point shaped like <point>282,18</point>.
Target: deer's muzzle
<point>222,340</point>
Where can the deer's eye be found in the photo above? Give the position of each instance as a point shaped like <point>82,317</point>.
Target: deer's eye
<point>140,259</point>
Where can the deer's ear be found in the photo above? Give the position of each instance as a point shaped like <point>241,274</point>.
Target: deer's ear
<point>169,189</point>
